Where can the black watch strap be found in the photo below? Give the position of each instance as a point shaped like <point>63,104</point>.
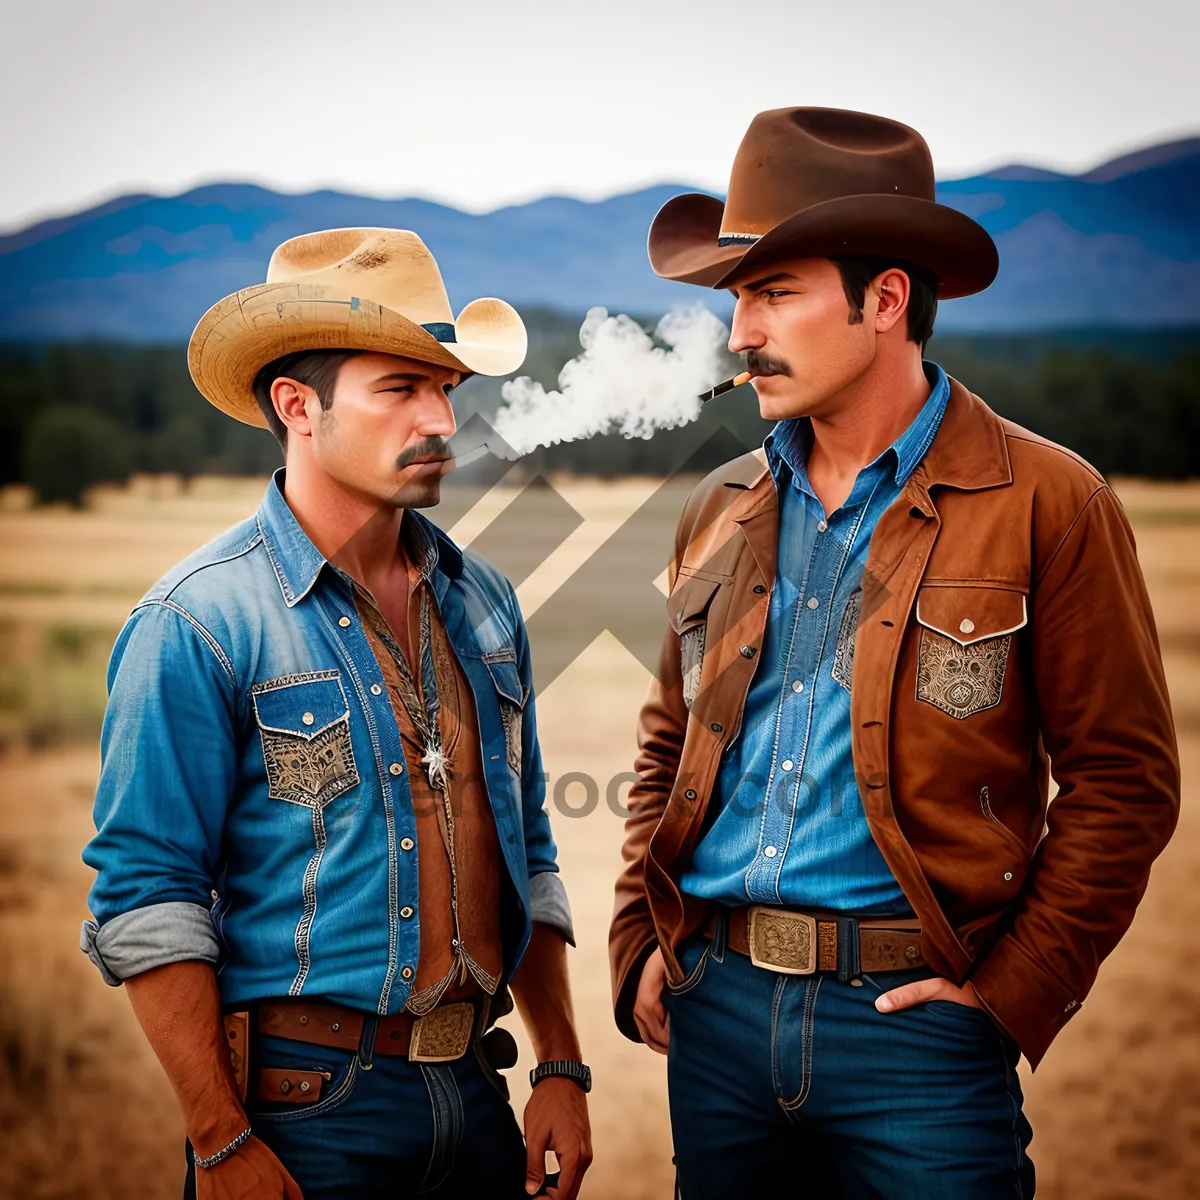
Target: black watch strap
<point>567,1068</point>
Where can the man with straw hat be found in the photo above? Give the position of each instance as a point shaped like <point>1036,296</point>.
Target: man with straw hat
<point>322,854</point>
<point>848,908</point>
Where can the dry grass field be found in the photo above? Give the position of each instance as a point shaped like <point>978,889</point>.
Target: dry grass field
<point>84,1110</point>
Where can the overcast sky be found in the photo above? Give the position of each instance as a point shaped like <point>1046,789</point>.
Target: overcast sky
<point>480,103</point>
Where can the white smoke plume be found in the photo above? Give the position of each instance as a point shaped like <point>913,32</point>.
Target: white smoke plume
<point>622,382</point>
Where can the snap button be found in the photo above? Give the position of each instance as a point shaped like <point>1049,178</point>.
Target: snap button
<point>813,602</point>
<point>717,727</point>
<point>787,764</point>
<point>856,983</point>
<point>747,651</point>
<point>308,718</point>
<point>759,590</point>
<point>797,685</point>
<point>285,1086</point>
<point>375,689</point>
<point>343,621</point>
<point>406,912</point>
<point>770,852</point>
<point>406,972</point>
<point>821,527</point>
<point>966,625</point>
<point>396,769</point>
<point>406,843</point>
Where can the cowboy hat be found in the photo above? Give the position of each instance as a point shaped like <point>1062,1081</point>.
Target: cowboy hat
<point>347,289</point>
<point>822,183</point>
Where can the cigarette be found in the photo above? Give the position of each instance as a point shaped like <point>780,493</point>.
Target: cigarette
<point>727,386</point>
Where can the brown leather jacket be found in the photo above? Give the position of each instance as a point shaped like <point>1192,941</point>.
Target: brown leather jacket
<point>1004,626</point>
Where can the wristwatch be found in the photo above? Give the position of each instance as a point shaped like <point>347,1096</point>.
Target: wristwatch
<point>568,1068</point>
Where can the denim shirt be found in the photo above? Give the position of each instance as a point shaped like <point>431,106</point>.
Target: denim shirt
<point>790,828</point>
<point>253,809</point>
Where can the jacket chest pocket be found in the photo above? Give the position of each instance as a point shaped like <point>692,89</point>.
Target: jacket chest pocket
<point>687,611</point>
<point>966,638</point>
<point>304,724</point>
<point>510,694</point>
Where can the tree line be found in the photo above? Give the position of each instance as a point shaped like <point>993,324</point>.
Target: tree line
<point>75,415</point>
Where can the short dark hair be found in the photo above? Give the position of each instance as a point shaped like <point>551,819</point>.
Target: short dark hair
<point>317,369</point>
<point>857,270</point>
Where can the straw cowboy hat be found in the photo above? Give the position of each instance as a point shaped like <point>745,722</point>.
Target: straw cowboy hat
<point>822,183</point>
<point>347,289</point>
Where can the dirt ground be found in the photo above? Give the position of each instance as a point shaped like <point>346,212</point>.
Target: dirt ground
<point>84,1109</point>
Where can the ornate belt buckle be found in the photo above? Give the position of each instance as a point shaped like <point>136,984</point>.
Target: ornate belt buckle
<point>783,941</point>
<point>442,1034</point>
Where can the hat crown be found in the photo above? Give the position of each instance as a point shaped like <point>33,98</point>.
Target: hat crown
<point>391,267</point>
<point>792,158</point>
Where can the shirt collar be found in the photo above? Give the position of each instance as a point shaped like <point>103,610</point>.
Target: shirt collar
<point>297,562</point>
<point>788,444</point>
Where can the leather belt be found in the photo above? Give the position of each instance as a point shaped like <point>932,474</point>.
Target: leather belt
<point>800,943</point>
<point>441,1035</point>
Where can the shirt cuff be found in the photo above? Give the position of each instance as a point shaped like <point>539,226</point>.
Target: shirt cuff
<point>150,937</point>
<point>548,904</point>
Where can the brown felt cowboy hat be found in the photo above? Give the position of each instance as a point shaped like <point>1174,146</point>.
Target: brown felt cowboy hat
<point>347,289</point>
<point>822,183</point>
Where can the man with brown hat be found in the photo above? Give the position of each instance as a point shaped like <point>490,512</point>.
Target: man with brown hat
<point>322,854</point>
<point>848,908</point>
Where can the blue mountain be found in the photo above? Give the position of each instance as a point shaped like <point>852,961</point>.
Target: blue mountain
<point>1119,245</point>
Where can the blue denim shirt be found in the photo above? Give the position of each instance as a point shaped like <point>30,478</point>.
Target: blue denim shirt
<point>790,828</point>
<point>292,882</point>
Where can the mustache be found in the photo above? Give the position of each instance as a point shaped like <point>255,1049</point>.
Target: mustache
<point>758,363</point>
<point>431,447</point>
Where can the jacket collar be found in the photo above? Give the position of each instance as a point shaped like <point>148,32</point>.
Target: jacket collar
<point>297,563</point>
<point>968,452</point>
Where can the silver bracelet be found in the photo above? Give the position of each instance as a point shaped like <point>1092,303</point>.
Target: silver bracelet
<point>222,1154</point>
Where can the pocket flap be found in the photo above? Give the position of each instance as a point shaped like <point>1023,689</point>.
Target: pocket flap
<point>971,614</point>
<point>302,705</point>
<point>687,605</point>
<point>507,680</point>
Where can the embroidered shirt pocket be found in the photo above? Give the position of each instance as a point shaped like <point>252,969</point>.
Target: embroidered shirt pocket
<point>966,638</point>
<point>506,679</point>
<point>843,654</point>
<point>687,611</point>
<point>304,723</point>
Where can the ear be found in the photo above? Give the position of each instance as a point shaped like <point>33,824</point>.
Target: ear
<point>893,289</point>
<point>293,402</point>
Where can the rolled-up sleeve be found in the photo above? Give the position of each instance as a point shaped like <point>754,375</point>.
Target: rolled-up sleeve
<point>548,902</point>
<point>168,766</point>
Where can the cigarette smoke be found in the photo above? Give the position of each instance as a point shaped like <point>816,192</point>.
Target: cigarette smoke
<point>622,382</point>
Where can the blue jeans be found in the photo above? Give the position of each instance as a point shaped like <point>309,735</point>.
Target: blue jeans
<point>799,1078</point>
<point>395,1130</point>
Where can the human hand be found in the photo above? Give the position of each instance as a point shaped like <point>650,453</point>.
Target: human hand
<point>924,990</point>
<point>649,1012</point>
<point>556,1118</point>
<point>251,1173</point>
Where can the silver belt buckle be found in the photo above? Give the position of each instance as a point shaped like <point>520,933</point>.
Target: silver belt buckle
<point>443,1034</point>
<point>783,941</point>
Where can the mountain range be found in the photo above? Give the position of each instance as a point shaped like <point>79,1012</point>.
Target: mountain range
<point>1117,246</point>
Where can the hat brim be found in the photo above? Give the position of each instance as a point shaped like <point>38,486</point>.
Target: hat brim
<point>242,333</point>
<point>683,240</point>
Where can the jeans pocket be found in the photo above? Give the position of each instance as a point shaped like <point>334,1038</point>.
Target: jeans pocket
<point>693,959</point>
<point>339,1068</point>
